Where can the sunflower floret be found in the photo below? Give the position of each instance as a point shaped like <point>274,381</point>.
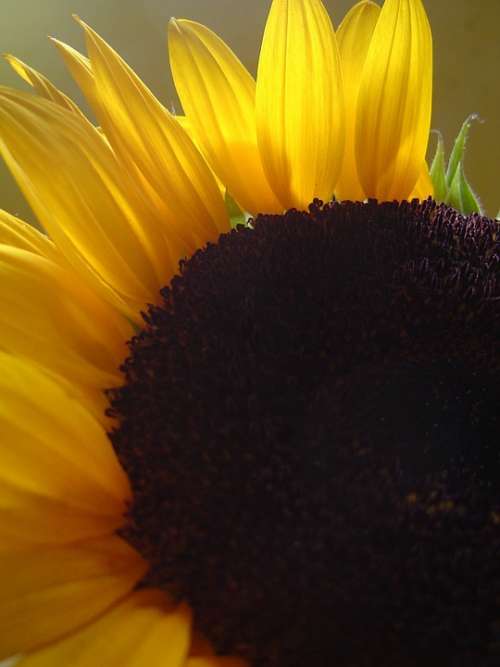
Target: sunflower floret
<point>316,406</point>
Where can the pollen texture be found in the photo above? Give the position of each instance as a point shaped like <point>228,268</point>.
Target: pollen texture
<point>310,423</point>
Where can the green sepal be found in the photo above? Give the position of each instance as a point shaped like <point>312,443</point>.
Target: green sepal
<point>450,184</point>
<point>437,171</point>
<point>460,195</point>
<point>457,154</point>
<point>236,214</point>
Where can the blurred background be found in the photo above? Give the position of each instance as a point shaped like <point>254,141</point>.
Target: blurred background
<point>466,53</point>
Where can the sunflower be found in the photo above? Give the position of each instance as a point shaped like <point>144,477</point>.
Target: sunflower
<point>273,445</point>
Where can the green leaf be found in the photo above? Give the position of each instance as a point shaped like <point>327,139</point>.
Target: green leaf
<point>438,170</point>
<point>457,154</point>
<point>460,195</point>
<point>236,215</point>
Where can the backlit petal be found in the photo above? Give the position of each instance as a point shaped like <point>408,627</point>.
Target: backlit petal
<point>143,631</point>
<point>353,37</point>
<point>156,150</point>
<point>394,101</point>
<point>47,313</point>
<point>59,477</point>
<point>218,96</point>
<point>93,212</point>
<point>188,128</point>
<point>299,102</point>
<point>47,592</point>
<point>41,84</point>
<point>80,69</point>
<point>424,187</point>
<point>20,234</point>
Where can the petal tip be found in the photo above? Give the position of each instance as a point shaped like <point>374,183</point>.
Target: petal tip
<point>174,26</point>
<point>80,21</point>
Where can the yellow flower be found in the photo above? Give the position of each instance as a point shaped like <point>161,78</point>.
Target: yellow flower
<point>347,112</point>
<point>121,208</point>
<point>85,309</point>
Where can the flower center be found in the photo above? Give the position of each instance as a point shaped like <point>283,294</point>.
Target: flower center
<point>310,425</point>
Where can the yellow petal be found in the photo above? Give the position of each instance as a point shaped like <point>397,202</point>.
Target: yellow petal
<point>353,37</point>
<point>34,518</point>
<point>185,124</point>
<point>143,631</point>
<point>93,212</point>
<point>424,187</point>
<point>79,67</point>
<point>81,71</point>
<point>47,592</point>
<point>188,128</point>
<point>41,84</point>
<point>394,101</point>
<point>48,314</point>
<point>299,102</point>
<point>156,150</point>
<point>59,477</point>
<point>218,97</point>
<point>20,234</point>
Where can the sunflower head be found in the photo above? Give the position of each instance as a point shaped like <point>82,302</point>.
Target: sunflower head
<point>274,445</point>
<point>309,425</point>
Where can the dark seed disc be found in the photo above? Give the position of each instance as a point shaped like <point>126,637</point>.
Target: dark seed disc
<point>310,422</point>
